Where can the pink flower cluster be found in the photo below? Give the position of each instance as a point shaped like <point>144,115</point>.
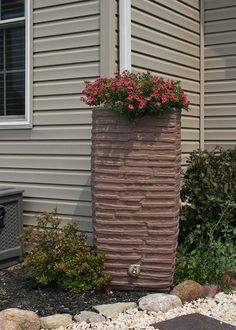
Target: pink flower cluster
<point>135,94</point>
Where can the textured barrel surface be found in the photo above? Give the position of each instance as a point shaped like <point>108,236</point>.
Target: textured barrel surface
<point>135,189</point>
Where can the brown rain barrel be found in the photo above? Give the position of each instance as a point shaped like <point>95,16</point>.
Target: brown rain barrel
<point>135,191</point>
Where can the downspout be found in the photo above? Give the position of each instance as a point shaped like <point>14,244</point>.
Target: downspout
<point>125,35</point>
<point>202,78</point>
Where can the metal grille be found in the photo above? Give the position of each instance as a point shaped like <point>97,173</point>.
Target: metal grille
<point>9,233</point>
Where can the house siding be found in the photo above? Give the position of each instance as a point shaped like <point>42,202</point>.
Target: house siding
<point>75,40</point>
<point>220,73</point>
<point>166,41</point>
<point>51,162</point>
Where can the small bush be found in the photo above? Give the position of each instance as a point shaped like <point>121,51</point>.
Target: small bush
<point>206,262</point>
<point>210,185</point>
<point>61,255</point>
<point>207,239</point>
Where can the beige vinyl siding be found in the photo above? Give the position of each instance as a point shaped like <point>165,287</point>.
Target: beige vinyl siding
<point>109,32</point>
<point>51,162</point>
<point>165,40</point>
<point>220,73</point>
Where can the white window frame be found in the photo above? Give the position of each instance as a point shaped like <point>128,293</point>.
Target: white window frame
<point>26,122</point>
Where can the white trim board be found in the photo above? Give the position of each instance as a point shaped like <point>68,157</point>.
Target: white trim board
<point>125,35</point>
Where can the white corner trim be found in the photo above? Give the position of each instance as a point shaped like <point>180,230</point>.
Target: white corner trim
<point>125,34</point>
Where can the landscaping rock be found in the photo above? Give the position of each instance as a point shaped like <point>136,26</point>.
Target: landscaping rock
<point>56,321</point>
<point>159,302</point>
<point>229,279</point>
<point>89,317</point>
<point>3,324</point>
<point>189,290</point>
<point>113,310</point>
<point>211,290</point>
<point>18,319</point>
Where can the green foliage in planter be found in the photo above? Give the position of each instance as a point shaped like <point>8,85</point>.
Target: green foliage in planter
<point>61,255</point>
<point>207,239</point>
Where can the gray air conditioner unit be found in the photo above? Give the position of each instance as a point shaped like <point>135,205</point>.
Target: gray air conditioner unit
<point>10,225</point>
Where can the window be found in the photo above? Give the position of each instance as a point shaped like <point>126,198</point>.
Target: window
<point>14,63</point>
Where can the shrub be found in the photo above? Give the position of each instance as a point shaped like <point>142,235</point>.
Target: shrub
<point>210,186</point>
<point>135,94</point>
<point>61,255</point>
<point>207,244</point>
<point>207,261</point>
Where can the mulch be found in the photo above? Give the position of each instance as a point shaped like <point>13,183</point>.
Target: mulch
<point>21,291</point>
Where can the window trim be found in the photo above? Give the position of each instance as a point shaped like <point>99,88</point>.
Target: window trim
<point>27,121</point>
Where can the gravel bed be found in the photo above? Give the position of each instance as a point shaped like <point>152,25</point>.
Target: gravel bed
<point>221,307</point>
